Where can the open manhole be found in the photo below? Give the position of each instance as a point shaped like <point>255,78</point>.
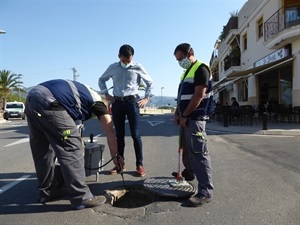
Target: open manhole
<point>135,196</point>
<point>169,187</point>
<point>130,197</point>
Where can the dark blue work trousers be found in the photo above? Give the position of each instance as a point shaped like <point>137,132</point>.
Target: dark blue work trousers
<point>196,158</point>
<point>129,108</point>
<point>54,133</point>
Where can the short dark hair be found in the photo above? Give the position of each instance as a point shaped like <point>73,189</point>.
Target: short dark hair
<point>233,99</point>
<point>126,51</point>
<point>184,48</point>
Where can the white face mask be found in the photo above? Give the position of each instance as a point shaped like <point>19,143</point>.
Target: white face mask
<point>185,63</point>
<point>125,66</point>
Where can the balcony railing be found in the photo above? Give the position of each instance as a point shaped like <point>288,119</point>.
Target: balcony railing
<point>231,61</point>
<point>213,57</point>
<point>215,76</point>
<point>284,18</point>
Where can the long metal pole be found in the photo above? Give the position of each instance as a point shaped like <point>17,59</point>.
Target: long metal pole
<point>161,101</point>
<point>19,75</point>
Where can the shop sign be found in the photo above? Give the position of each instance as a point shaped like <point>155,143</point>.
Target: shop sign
<point>273,57</point>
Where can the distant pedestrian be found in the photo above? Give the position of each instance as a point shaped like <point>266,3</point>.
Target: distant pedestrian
<point>52,108</point>
<point>234,102</point>
<point>127,76</point>
<point>194,104</point>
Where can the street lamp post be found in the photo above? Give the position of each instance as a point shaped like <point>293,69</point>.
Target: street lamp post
<point>161,101</point>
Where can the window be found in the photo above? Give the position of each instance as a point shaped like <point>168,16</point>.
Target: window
<point>245,42</point>
<point>292,16</point>
<point>259,28</point>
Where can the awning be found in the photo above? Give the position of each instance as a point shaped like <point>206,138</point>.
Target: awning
<point>222,81</point>
<point>217,90</point>
<point>260,69</point>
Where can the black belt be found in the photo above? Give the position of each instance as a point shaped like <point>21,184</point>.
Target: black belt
<point>125,98</point>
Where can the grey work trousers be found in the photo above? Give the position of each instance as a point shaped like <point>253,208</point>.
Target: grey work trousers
<point>54,133</point>
<point>196,158</point>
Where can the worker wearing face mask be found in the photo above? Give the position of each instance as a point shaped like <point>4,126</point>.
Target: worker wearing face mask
<point>127,76</point>
<point>194,104</point>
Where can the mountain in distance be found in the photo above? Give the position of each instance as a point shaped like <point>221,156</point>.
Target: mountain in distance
<point>158,101</point>
<point>154,102</point>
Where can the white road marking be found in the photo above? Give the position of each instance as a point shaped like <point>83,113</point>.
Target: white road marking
<point>7,131</point>
<point>10,185</point>
<point>24,140</point>
<point>154,123</point>
<point>268,135</point>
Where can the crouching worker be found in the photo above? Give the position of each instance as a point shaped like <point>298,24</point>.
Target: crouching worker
<point>52,108</point>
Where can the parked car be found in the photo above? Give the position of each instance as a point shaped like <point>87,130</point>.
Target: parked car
<point>14,110</point>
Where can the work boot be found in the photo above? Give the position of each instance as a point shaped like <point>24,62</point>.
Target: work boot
<point>187,176</point>
<point>51,195</point>
<point>196,201</point>
<point>92,202</point>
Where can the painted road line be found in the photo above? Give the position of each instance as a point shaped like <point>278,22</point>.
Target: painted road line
<point>7,131</point>
<point>10,185</point>
<point>24,140</point>
<point>154,123</point>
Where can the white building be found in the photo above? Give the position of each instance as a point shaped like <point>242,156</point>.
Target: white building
<point>257,58</point>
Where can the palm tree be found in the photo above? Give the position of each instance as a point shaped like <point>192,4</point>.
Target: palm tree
<point>8,82</point>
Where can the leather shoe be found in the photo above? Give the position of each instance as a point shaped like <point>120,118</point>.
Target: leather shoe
<point>92,202</point>
<point>140,171</point>
<point>117,170</point>
<point>196,201</point>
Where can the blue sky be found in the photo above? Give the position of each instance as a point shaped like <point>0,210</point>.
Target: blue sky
<point>46,38</point>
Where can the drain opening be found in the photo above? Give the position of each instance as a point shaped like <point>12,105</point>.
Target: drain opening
<point>131,197</point>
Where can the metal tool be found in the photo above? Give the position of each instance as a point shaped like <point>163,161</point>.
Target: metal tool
<point>179,181</point>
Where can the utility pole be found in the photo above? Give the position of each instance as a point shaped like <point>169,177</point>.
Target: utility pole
<point>75,75</point>
<point>19,76</point>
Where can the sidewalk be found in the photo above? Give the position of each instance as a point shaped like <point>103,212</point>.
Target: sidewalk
<point>273,128</point>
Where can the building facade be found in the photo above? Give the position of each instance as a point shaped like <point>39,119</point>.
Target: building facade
<point>257,56</point>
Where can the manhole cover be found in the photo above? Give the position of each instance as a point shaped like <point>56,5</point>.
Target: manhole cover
<point>163,187</point>
<point>131,197</point>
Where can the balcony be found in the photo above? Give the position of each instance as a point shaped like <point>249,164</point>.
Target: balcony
<point>232,24</point>
<point>233,59</point>
<point>215,76</point>
<point>282,27</point>
<point>214,60</point>
<point>230,61</point>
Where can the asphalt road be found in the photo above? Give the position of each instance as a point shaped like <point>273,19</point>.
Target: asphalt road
<point>256,179</point>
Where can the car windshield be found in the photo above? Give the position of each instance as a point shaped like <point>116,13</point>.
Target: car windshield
<point>14,106</point>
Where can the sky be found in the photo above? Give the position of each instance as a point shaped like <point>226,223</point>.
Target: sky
<point>45,39</point>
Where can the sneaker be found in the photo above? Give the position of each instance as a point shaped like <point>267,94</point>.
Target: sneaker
<point>140,171</point>
<point>198,201</point>
<point>116,170</point>
<point>92,202</point>
<point>187,176</point>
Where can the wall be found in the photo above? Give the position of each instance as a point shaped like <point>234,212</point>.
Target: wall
<point>296,73</point>
<point>253,11</point>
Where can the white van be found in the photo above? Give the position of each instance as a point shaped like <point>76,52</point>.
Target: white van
<point>14,110</point>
